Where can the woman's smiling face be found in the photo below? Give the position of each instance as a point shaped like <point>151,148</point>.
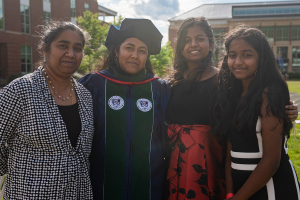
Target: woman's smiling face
<point>242,60</point>
<point>132,55</point>
<point>196,44</point>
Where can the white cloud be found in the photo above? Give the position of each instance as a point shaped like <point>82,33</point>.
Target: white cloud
<point>159,11</point>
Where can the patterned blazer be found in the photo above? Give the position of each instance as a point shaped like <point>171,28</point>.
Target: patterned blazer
<point>35,150</point>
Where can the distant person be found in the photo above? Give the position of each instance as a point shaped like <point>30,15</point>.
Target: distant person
<point>252,99</point>
<point>129,147</point>
<point>280,63</point>
<point>46,123</point>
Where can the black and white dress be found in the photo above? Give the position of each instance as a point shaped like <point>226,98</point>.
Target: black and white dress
<point>35,150</point>
<point>246,153</point>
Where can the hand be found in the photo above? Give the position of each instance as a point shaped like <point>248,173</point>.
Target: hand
<point>292,111</point>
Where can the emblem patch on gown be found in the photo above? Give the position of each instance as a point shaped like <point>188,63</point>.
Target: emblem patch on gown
<point>116,102</point>
<point>144,105</point>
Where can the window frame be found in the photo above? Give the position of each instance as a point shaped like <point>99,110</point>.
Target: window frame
<point>2,26</point>
<point>26,58</point>
<point>48,17</point>
<point>282,37</point>
<point>23,16</point>
<point>86,7</point>
<point>297,37</point>
<point>266,30</point>
<point>73,9</point>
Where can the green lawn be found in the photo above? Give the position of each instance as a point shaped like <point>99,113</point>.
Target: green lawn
<point>294,86</point>
<point>294,143</point>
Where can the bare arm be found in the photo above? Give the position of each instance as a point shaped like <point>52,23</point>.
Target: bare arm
<point>266,168</point>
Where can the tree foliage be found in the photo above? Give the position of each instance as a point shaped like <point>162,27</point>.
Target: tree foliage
<point>118,21</point>
<point>98,31</point>
<point>162,62</point>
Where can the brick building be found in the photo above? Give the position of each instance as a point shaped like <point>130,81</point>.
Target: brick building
<point>279,21</point>
<point>19,20</point>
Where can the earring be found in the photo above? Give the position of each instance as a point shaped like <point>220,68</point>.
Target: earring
<point>210,50</point>
<point>117,61</point>
<point>44,58</point>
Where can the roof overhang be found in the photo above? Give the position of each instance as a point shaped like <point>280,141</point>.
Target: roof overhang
<point>102,11</point>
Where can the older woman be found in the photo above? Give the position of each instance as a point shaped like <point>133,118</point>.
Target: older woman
<point>46,123</point>
<point>128,154</point>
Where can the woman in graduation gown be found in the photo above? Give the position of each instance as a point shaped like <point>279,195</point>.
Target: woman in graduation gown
<point>128,152</point>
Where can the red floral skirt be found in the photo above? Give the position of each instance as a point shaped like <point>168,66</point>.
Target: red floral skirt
<point>196,169</point>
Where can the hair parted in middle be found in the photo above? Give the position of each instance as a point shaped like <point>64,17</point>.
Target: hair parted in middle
<point>110,59</point>
<point>267,80</point>
<point>180,63</point>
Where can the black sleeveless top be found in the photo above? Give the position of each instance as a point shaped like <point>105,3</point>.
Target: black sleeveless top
<point>70,115</point>
<point>192,104</point>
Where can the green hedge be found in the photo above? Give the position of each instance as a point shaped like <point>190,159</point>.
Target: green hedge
<point>295,76</point>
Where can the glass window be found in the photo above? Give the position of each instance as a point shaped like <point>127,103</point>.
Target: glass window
<point>73,8</point>
<point>1,15</point>
<point>269,32</point>
<point>25,19</point>
<point>249,12</point>
<point>286,10</point>
<point>26,59</point>
<point>242,12</point>
<point>296,33</point>
<point>266,11</point>
<point>47,16</point>
<point>272,11</point>
<point>294,10</point>
<point>282,33</point>
<point>86,7</point>
<point>296,59</point>
<point>256,11</point>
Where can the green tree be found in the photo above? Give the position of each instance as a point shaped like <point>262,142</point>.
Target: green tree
<point>118,21</point>
<point>98,31</point>
<point>162,62</point>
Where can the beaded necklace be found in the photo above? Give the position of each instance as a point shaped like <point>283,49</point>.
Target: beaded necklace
<point>54,92</point>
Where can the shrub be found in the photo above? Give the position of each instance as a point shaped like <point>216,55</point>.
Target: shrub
<point>294,75</point>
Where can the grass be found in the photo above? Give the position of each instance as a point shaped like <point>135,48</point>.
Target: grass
<point>294,152</point>
<point>294,86</point>
<point>294,143</point>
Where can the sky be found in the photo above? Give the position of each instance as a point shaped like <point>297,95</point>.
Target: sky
<point>159,11</point>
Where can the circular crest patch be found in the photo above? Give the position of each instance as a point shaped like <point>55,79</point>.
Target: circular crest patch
<point>116,102</point>
<point>144,105</point>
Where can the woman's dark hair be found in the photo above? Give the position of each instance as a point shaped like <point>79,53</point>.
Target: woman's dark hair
<point>110,59</point>
<point>51,30</point>
<point>231,111</point>
<point>180,63</point>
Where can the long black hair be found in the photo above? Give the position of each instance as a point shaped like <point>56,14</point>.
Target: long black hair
<point>180,63</point>
<point>241,113</point>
